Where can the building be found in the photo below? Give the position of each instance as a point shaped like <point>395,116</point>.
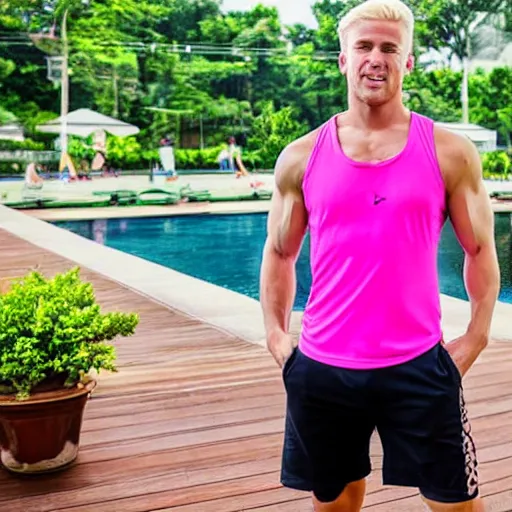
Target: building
<point>485,140</point>
<point>12,131</point>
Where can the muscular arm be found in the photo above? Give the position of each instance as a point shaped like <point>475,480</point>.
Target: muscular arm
<point>470,211</point>
<point>286,227</point>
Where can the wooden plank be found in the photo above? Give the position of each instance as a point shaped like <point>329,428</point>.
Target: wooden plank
<point>185,495</point>
<point>111,405</point>
<point>87,475</point>
<point>263,500</point>
<point>171,425</point>
<point>202,411</point>
<point>165,487</point>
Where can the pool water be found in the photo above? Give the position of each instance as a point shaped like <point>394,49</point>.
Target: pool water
<point>226,250</point>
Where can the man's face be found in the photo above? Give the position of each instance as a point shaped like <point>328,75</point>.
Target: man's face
<point>375,59</point>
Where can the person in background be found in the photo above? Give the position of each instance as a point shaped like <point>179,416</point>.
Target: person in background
<point>32,180</point>
<point>230,158</point>
<point>100,147</point>
<point>167,158</point>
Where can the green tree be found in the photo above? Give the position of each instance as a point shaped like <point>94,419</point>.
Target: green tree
<point>272,131</point>
<point>454,24</point>
<point>491,97</point>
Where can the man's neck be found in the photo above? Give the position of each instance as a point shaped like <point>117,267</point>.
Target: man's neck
<point>378,117</point>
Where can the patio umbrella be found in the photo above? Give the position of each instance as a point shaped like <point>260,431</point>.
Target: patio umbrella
<point>83,122</point>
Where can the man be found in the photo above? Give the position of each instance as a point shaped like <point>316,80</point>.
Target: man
<point>374,186</point>
<point>167,160</point>
<point>231,158</point>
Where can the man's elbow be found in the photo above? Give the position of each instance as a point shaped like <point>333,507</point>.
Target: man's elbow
<point>278,249</point>
<point>484,256</point>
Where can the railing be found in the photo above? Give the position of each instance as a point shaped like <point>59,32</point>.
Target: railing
<point>24,155</point>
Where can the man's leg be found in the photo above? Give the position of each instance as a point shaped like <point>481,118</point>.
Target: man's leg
<point>426,434</point>
<point>351,499</point>
<point>327,433</point>
<point>475,505</point>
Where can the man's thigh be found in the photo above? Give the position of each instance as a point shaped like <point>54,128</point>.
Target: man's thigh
<point>425,430</point>
<point>328,428</point>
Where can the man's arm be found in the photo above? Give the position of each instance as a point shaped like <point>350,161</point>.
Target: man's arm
<point>287,222</point>
<point>471,214</point>
<point>241,166</point>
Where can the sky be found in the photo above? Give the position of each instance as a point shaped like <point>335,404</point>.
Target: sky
<point>290,11</point>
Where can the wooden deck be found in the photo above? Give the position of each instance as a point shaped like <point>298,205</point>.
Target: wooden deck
<point>193,421</point>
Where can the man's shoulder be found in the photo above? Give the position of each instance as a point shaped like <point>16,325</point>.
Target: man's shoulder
<point>292,161</point>
<point>457,154</point>
<point>454,145</point>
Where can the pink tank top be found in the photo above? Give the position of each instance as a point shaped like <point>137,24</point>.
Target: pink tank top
<point>374,231</point>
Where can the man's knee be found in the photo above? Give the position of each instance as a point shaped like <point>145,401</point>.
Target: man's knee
<point>350,500</point>
<point>475,505</point>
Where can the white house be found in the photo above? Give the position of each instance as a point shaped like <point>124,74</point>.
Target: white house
<point>11,131</point>
<point>484,139</point>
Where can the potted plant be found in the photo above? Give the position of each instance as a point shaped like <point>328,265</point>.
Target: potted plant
<point>52,335</point>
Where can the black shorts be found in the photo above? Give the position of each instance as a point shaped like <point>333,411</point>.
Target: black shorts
<point>418,411</point>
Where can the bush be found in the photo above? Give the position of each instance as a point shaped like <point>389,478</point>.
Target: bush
<point>123,152</point>
<point>78,150</point>
<point>17,166</point>
<point>9,168</point>
<point>27,144</point>
<point>52,330</point>
<point>497,165</point>
<point>197,158</point>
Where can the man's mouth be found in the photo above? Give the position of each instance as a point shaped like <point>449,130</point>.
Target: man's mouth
<point>376,78</point>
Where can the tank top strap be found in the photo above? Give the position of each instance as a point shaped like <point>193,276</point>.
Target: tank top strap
<point>323,143</point>
<point>422,132</point>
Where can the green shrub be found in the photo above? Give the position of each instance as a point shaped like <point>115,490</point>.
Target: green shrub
<point>78,150</point>
<point>130,155</point>
<point>123,152</point>
<point>53,328</point>
<point>496,165</point>
<point>12,168</point>
<point>17,167</point>
<point>27,145</point>
<point>197,158</point>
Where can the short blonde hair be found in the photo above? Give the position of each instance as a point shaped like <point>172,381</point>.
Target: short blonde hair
<point>390,10</point>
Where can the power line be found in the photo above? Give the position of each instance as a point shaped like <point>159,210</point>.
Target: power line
<point>214,49</point>
<point>244,52</point>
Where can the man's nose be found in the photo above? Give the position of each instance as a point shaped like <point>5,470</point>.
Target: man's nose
<point>376,58</point>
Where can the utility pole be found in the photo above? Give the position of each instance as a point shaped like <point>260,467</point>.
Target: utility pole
<point>466,60</point>
<point>201,140</point>
<point>465,80</point>
<point>115,85</point>
<point>64,99</point>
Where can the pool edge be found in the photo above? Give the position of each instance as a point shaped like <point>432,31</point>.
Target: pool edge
<point>227,310</point>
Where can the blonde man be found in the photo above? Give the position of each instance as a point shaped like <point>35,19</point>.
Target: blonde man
<point>374,186</point>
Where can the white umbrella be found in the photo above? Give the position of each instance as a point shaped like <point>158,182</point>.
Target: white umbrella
<point>83,122</point>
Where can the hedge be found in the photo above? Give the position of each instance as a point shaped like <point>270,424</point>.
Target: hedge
<point>497,165</point>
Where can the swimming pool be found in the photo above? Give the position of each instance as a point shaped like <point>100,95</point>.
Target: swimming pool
<point>226,249</point>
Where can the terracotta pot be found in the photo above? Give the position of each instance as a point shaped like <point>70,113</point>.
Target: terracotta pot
<point>42,434</point>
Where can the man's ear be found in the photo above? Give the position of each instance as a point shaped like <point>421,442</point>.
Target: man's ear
<point>342,63</point>
<point>409,65</point>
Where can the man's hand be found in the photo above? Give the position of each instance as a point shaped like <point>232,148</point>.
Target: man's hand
<point>465,350</point>
<point>280,345</point>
